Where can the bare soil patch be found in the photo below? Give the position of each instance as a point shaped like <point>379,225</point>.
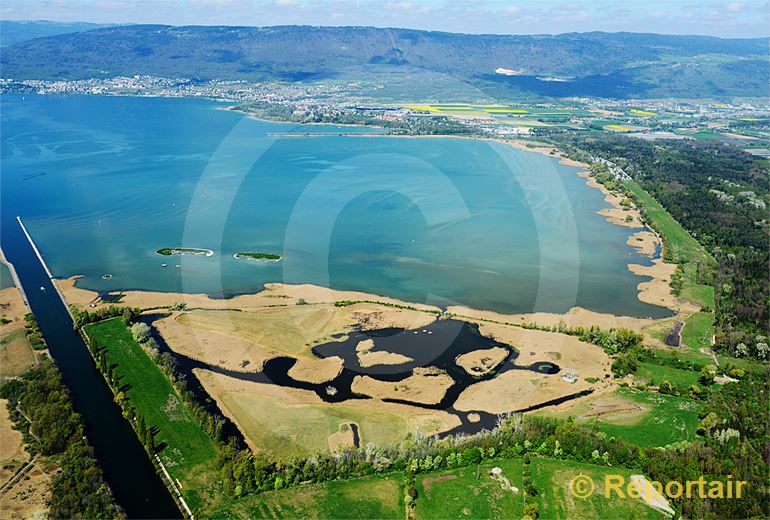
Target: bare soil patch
<point>427,482</point>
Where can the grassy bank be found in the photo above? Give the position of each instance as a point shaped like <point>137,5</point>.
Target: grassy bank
<point>682,247</point>
<point>185,449</point>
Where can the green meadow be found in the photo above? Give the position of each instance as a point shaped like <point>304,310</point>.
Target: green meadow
<point>185,449</point>
<point>470,492</point>
<point>552,479</point>
<point>379,496</point>
<point>653,373</point>
<point>668,419</point>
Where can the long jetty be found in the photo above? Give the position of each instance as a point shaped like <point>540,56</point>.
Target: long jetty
<point>45,266</point>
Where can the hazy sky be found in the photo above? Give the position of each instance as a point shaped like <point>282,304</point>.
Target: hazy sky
<point>746,18</point>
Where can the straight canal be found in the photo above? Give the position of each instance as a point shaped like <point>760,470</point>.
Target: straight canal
<point>137,487</point>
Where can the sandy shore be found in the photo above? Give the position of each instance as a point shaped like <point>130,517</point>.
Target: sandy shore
<point>272,295</point>
<point>645,242</point>
<point>658,290</point>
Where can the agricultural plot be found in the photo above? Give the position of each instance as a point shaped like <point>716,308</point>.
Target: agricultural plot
<point>471,492</point>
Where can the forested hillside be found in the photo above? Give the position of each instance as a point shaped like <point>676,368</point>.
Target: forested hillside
<point>590,64</point>
<point>15,31</point>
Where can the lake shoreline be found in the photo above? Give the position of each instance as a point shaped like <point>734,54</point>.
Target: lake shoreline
<point>614,215</point>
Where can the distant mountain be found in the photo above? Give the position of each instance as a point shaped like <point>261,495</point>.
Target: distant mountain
<point>575,64</point>
<point>12,31</point>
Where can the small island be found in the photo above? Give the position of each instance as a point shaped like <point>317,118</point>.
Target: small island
<point>264,257</point>
<point>182,251</point>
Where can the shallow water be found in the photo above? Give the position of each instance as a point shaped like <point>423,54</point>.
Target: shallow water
<point>102,182</point>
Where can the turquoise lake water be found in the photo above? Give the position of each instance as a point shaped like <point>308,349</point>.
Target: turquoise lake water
<point>102,182</point>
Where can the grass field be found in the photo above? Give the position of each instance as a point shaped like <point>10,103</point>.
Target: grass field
<point>698,329</point>
<point>555,499</point>
<point>644,418</point>
<point>655,373</point>
<point>304,429</point>
<point>458,493</point>
<point>669,419</point>
<point>185,449</point>
<point>683,247</point>
<point>686,251</point>
<point>363,498</point>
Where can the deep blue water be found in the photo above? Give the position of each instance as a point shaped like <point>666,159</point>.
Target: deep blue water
<point>102,182</point>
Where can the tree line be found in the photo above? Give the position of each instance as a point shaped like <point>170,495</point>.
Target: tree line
<point>719,194</point>
<point>39,405</point>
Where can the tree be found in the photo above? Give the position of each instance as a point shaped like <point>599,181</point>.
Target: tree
<point>140,331</point>
<point>531,510</point>
<point>707,374</point>
<point>141,427</point>
<point>666,388</point>
<point>472,455</point>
